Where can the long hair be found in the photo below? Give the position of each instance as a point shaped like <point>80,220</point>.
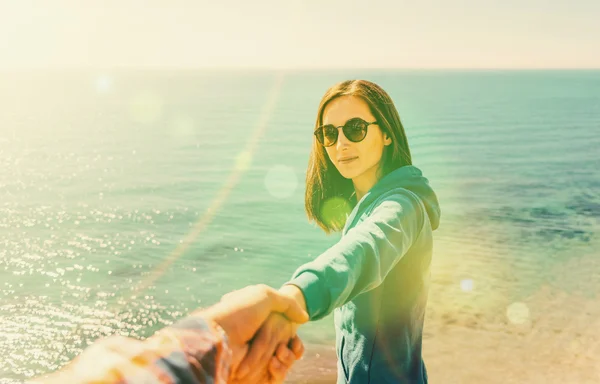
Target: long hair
<point>328,196</point>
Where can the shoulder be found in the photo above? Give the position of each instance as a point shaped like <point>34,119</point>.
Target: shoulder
<point>399,204</point>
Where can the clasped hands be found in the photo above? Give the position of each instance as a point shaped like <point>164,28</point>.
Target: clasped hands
<point>261,324</point>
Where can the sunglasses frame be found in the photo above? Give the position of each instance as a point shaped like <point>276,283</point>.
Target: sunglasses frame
<point>320,128</point>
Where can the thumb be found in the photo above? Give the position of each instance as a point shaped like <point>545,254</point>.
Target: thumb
<point>289,307</point>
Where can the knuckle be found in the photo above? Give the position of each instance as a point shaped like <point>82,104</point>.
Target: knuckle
<point>262,286</point>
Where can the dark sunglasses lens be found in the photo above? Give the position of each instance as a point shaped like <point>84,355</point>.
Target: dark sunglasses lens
<point>319,135</point>
<point>330,134</point>
<point>355,130</point>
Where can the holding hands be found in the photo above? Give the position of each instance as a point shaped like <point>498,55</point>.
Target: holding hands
<point>261,325</point>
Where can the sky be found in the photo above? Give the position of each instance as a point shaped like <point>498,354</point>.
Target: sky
<point>297,34</point>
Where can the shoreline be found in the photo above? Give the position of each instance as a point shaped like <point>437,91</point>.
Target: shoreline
<point>557,342</point>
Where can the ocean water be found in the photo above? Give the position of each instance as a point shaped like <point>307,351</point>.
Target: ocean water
<point>129,198</point>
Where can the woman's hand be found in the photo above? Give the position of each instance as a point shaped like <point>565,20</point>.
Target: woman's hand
<point>295,293</point>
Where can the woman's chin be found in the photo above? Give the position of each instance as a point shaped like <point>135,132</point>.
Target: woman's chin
<point>347,175</point>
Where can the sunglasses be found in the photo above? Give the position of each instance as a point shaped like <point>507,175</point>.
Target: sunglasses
<point>355,130</point>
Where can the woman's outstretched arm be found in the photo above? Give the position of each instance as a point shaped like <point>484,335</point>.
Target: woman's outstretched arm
<point>361,260</point>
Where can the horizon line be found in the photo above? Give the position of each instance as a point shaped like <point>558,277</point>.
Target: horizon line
<point>291,69</point>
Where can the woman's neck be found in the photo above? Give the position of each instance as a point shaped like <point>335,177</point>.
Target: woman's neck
<point>363,183</point>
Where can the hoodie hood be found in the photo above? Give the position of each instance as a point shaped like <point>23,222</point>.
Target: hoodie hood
<point>408,177</point>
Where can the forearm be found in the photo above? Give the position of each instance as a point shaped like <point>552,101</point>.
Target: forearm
<point>327,282</point>
<point>361,260</point>
<point>192,350</point>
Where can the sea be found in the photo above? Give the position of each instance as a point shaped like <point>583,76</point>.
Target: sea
<point>129,198</point>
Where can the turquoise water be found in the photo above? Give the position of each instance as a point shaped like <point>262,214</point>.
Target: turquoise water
<point>103,176</point>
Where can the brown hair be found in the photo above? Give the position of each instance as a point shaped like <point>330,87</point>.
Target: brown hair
<point>328,194</point>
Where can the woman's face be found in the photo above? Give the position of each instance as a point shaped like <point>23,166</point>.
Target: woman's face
<point>365,155</point>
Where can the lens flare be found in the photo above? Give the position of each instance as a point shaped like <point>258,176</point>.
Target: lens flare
<point>243,161</point>
<point>103,83</point>
<point>241,165</point>
<point>467,285</point>
<point>335,211</point>
<point>146,107</point>
<point>518,313</point>
<point>182,128</point>
<point>281,181</point>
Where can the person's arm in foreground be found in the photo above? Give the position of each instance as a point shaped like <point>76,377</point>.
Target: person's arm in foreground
<point>206,346</point>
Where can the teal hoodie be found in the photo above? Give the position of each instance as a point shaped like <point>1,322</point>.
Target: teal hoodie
<point>376,281</point>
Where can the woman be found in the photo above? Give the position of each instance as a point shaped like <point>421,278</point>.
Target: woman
<point>361,181</point>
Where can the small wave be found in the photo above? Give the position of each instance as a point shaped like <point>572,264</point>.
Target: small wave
<point>586,204</point>
<point>552,222</point>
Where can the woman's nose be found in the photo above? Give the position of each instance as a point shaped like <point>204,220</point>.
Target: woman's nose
<point>342,140</point>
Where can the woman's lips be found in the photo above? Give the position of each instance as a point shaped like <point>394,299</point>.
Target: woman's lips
<point>347,160</point>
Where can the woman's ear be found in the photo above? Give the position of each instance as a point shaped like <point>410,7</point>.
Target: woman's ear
<point>387,140</point>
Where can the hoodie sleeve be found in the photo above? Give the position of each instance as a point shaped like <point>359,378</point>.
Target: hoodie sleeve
<point>361,260</point>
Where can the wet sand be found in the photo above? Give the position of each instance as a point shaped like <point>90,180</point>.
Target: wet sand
<point>482,332</point>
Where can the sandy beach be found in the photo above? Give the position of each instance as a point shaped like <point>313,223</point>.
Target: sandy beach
<point>550,336</point>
